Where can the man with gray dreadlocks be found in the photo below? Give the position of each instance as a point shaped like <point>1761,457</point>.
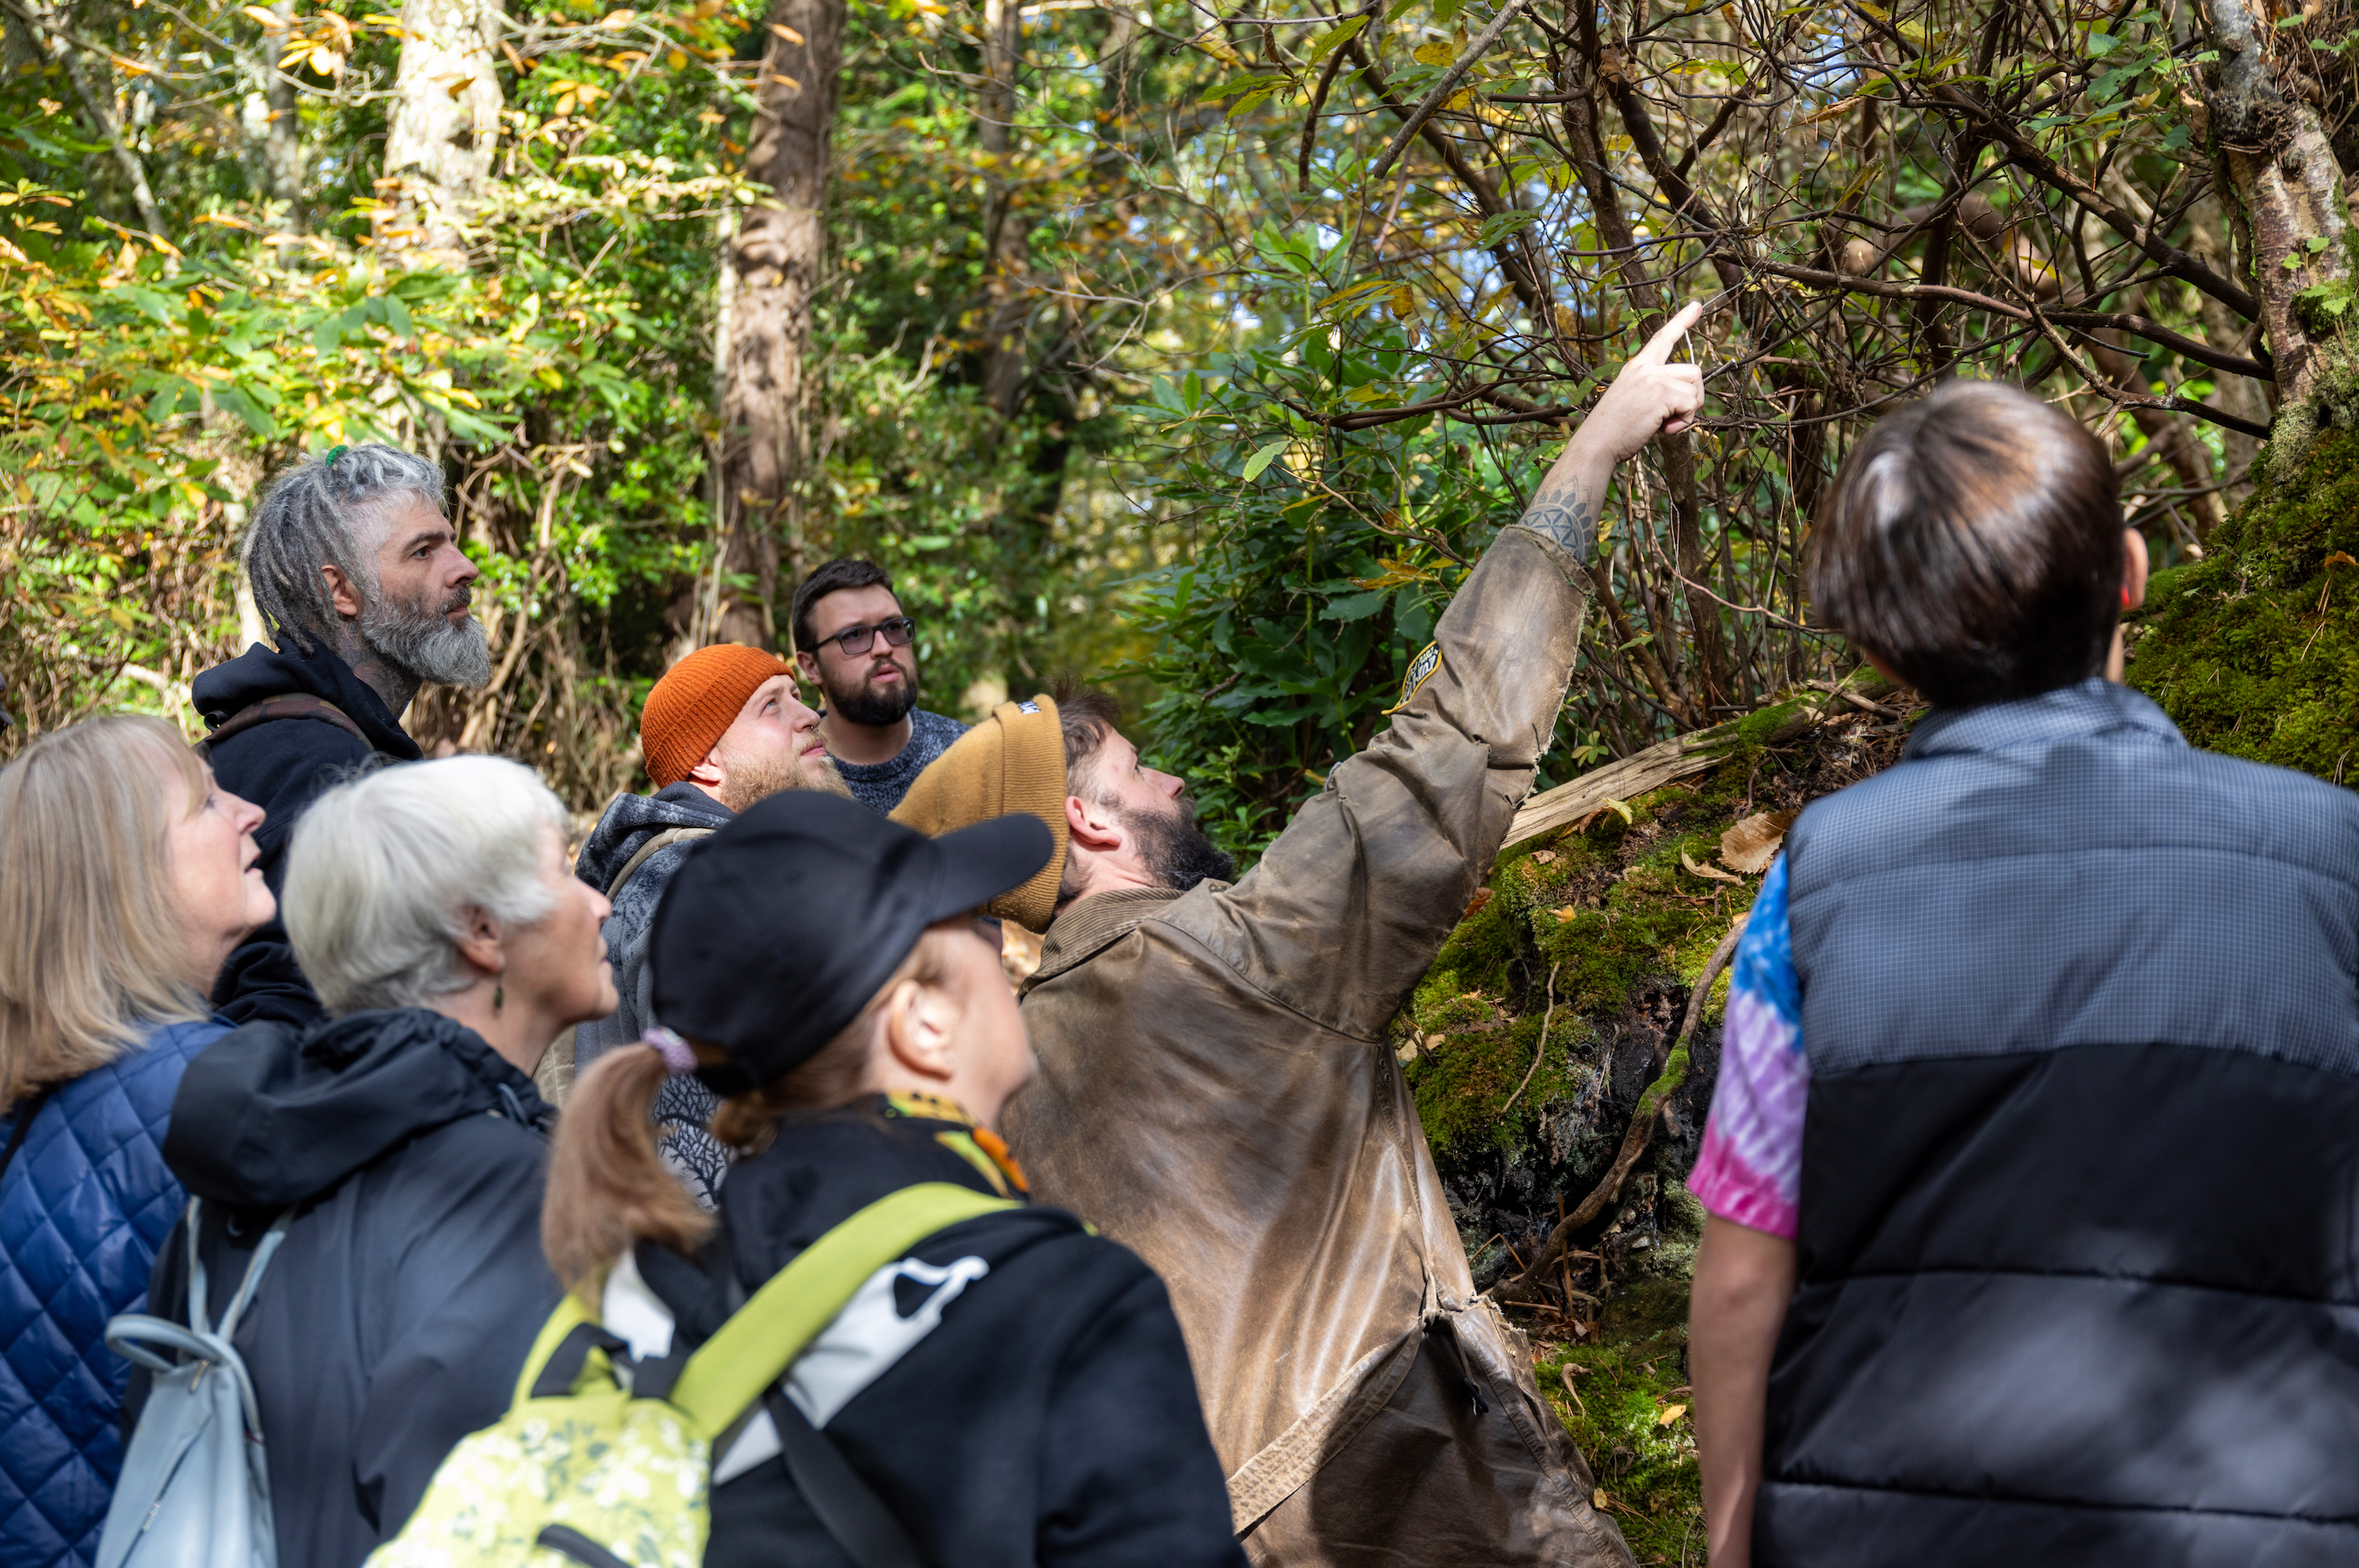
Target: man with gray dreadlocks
<point>359,579</point>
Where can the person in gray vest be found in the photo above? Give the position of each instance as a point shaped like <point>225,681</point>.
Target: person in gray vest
<point>357,572</point>
<point>2063,1271</point>
<point>722,729</point>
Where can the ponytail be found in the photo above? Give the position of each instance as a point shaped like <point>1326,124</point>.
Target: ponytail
<point>608,1188</point>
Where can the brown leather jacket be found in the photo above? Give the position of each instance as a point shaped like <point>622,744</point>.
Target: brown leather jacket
<point>1216,1091</point>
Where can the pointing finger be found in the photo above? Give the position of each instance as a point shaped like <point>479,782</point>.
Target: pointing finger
<point>1658,347</point>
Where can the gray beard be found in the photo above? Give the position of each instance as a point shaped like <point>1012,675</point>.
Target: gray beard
<point>427,646</point>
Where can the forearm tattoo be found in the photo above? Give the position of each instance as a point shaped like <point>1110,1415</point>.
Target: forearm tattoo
<point>1561,509</point>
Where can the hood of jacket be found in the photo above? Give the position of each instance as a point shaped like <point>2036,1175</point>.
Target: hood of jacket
<point>271,1116</point>
<point>631,819</point>
<point>262,673</point>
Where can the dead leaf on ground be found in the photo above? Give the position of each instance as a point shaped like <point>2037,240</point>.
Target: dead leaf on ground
<point>1713,873</point>
<point>1671,1413</point>
<point>1545,856</point>
<point>1751,844</point>
<point>1567,913</point>
<point>1475,906</point>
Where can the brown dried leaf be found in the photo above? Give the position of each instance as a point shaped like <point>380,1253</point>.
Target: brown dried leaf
<point>1545,856</point>
<point>1712,872</point>
<point>1751,844</point>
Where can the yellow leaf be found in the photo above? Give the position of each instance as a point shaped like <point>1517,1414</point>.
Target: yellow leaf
<point>678,61</point>
<point>618,18</point>
<point>1599,1500</point>
<point>1671,1413</point>
<point>263,20</point>
<point>1750,845</point>
<point>1567,913</point>
<point>1620,810</point>
<point>1438,52</point>
<point>2339,559</point>
<point>788,33</point>
<point>1711,873</point>
<point>789,82</point>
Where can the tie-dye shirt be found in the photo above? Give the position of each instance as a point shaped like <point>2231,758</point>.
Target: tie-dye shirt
<point>1750,1169</point>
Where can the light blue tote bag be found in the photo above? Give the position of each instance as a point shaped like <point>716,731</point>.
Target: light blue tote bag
<point>194,1491</point>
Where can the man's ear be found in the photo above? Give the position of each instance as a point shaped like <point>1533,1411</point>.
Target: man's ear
<point>1091,825</point>
<point>710,773</point>
<point>340,591</point>
<point>480,945</point>
<point>921,1029</point>
<point>2134,569</point>
<point>807,665</point>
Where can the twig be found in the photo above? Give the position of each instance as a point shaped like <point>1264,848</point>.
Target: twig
<point>1542,1049</point>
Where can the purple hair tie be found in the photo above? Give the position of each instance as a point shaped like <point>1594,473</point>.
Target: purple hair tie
<point>677,1055</point>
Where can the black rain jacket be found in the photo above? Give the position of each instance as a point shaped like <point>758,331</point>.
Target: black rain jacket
<point>1049,1417</point>
<point>398,1314</point>
<point>281,766</point>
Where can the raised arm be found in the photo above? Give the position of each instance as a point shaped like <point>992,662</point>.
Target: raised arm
<point>1345,912</point>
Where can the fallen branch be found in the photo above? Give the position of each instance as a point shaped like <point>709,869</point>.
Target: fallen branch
<point>1672,1073</point>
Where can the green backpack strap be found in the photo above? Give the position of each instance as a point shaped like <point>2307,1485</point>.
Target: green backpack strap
<point>761,1340</point>
<point>571,1315</point>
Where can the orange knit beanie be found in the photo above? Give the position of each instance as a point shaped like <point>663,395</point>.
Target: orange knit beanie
<point>696,702</point>
<point>1013,761</point>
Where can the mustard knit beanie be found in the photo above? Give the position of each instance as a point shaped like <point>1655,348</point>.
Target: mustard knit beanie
<point>696,702</point>
<point>1013,761</point>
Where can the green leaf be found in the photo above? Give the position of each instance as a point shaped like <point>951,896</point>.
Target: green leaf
<point>1266,455</point>
<point>1499,226</point>
<point>1335,37</point>
<point>1357,606</point>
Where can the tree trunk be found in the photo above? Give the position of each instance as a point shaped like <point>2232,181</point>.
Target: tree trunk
<point>1009,251</point>
<point>2207,239</point>
<point>445,122</point>
<point>2277,166</point>
<point>766,394</point>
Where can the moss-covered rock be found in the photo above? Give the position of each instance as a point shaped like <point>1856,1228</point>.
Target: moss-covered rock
<point>2253,651</point>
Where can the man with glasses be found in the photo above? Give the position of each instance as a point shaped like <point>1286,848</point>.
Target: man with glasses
<point>854,644</point>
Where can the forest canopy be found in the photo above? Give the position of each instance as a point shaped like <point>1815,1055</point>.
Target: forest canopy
<point>1198,349</point>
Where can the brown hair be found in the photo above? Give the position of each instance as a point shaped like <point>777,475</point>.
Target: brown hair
<point>1972,541</point>
<point>608,1188</point>
<point>91,953</point>
<point>1087,715</point>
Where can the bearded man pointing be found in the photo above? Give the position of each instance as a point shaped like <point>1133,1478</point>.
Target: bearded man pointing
<point>1215,1090</point>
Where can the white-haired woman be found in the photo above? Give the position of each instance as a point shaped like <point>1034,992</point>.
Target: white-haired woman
<point>126,878</point>
<point>430,905</point>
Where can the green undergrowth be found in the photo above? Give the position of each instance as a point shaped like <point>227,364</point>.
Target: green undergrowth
<point>2253,651</point>
<point>1626,1403</point>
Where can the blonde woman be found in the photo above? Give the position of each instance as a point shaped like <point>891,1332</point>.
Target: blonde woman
<point>127,876</point>
<point>432,908</point>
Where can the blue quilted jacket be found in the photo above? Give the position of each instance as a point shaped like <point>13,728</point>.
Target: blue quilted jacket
<point>81,1212</point>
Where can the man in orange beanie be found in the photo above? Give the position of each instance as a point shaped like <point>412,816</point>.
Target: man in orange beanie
<point>723,729</point>
<point>1214,1090</point>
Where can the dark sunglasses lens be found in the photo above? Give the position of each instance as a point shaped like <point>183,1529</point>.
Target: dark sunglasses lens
<point>898,632</point>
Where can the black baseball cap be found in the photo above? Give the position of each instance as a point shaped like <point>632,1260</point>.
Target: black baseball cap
<point>776,931</point>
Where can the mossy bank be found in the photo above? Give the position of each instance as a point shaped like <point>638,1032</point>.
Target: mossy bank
<point>1597,933</point>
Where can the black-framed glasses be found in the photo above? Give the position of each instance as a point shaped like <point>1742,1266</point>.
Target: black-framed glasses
<point>858,640</point>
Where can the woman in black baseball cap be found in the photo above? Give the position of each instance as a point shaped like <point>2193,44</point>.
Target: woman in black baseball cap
<point>1010,1390</point>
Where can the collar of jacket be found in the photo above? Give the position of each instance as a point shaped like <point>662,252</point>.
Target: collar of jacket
<point>262,673</point>
<point>968,1139</point>
<point>1090,925</point>
<point>2078,712</point>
